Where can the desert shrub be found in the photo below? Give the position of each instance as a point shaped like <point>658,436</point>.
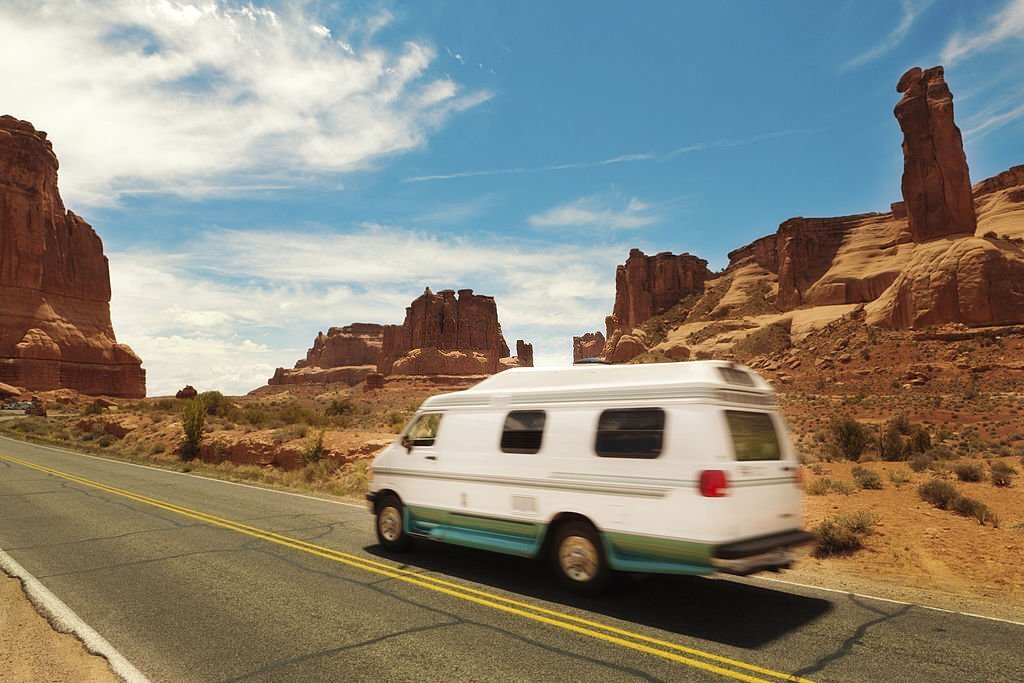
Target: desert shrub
<point>768,340</point>
<point>919,441</point>
<point>1002,473</point>
<point>941,453</point>
<point>843,487</point>
<point>341,406</point>
<point>849,438</point>
<point>969,471</point>
<point>970,507</point>
<point>313,450</point>
<point>353,479</point>
<point>817,469</point>
<point>818,487</point>
<point>842,535</point>
<point>193,419</point>
<point>106,440</point>
<point>157,448</point>
<point>899,477</point>
<point>920,462</point>
<point>867,479</point>
<point>93,408</point>
<point>939,493</point>
<point>901,423</point>
<point>215,402</point>
<point>890,445</point>
<point>290,432</point>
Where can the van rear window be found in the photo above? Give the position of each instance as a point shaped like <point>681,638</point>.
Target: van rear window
<point>523,432</point>
<point>753,435</point>
<point>633,433</point>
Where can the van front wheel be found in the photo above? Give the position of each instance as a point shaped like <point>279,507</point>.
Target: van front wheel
<point>391,525</point>
<point>578,559</point>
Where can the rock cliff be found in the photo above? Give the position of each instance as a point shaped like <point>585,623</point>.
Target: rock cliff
<point>589,345</point>
<point>448,333</point>
<point>55,329</point>
<point>344,355</point>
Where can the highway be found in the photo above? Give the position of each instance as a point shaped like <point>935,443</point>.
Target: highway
<point>194,579</point>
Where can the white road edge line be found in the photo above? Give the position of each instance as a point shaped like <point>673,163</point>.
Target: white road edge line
<point>64,620</point>
<point>184,474</point>
<point>896,602</point>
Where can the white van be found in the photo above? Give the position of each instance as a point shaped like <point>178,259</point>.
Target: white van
<point>675,468</point>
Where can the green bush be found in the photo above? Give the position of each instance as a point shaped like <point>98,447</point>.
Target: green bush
<point>849,438</point>
<point>867,479</point>
<point>341,406</point>
<point>193,420</point>
<point>215,402</point>
<point>1002,473</point>
<point>890,446</point>
<point>920,441</point>
<point>93,408</point>
<point>106,440</point>
<point>842,535</point>
<point>969,507</point>
<point>969,471</point>
<point>899,477</point>
<point>940,453</point>
<point>939,493</point>
<point>290,433</point>
<point>313,451</point>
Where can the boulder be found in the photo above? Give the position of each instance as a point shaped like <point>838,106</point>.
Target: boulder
<point>936,180</point>
<point>7,391</point>
<point>55,329</point>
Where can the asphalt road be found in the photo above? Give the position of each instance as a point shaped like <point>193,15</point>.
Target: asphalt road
<point>200,580</point>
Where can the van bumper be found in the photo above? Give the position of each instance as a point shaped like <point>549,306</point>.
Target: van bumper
<point>371,501</point>
<point>774,552</point>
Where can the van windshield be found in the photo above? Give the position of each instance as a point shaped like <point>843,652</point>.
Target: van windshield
<point>753,435</point>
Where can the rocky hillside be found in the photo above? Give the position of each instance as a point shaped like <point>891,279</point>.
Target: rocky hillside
<point>948,254</point>
<point>55,329</point>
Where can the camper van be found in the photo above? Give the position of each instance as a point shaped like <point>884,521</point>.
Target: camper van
<point>674,468</point>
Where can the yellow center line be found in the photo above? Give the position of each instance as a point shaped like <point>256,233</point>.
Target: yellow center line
<point>550,617</point>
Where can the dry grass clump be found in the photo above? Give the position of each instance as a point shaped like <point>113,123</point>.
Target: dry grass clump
<point>1002,473</point>
<point>843,534</point>
<point>824,485</point>
<point>866,478</point>
<point>969,471</point>
<point>899,477</point>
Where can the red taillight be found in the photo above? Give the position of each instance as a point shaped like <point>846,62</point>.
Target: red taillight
<point>798,475</point>
<point>713,483</point>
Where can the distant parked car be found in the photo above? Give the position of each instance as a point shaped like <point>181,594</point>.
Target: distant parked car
<point>19,405</point>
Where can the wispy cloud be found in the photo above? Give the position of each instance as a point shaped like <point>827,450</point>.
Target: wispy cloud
<point>223,311</point>
<point>620,159</point>
<point>207,97</point>
<point>910,11</point>
<point>1006,24</point>
<point>595,212</point>
<point>982,126</point>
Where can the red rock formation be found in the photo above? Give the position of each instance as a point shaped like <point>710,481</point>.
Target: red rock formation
<point>188,391</point>
<point>646,286</point>
<point>352,345</point>
<point>524,352</point>
<point>936,181</point>
<point>1012,177</point>
<point>55,328</point>
<point>590,345</point>
<point>344,355</point>
<point>374,381</point>
<point>445,334</point>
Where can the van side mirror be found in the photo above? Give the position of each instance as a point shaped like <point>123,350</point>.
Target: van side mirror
<point>407,442</point>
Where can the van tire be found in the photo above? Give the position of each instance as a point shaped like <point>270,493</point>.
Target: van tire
<point>578,560</point>
<point>390,525</point>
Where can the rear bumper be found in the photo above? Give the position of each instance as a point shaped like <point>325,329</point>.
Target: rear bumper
<point>777,551</point>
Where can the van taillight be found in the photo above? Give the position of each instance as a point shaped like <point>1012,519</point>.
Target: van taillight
<point>798,475</point>
<point>713,483</point>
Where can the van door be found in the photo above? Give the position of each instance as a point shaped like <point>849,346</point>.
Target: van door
<point>762,486</point>
<point>420,441</point>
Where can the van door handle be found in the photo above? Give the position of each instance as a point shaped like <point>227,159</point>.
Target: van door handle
<point>430,457</point>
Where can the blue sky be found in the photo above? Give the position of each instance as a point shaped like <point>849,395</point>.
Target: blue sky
<point>261,171</point>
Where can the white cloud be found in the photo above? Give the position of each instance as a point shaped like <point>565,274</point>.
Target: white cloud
<point>988,123</point>
<point>1006,24</point>
<point>225,311</point>
<point>592,212</point>
<point>910,11</point>
<point>194,98</point>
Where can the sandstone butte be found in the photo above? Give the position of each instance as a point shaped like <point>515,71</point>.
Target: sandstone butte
<point>55,329</point>
<point>442,334</point>
<point>947,254</point>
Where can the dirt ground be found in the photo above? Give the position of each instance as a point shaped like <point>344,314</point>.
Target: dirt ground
<point>31,651</point>
<point>918,553</point>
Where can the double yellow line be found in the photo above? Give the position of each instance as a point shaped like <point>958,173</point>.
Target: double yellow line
<point>680,654</point>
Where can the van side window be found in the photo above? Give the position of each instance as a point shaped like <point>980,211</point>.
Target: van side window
<point>524,430</point>
<point>753,435</point>
<point>424,431</point>
<point>632,433</point>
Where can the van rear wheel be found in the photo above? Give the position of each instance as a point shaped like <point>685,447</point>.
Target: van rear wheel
<point>391,525</point>
<point>578,560</point>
